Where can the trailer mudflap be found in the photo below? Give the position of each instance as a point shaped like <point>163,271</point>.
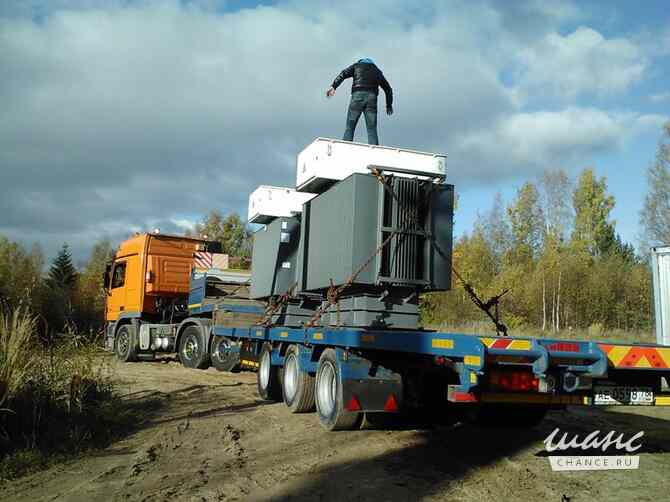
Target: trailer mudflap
<point>367,386</point>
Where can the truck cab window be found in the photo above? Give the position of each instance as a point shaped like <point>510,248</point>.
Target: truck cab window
<point>119,275</point>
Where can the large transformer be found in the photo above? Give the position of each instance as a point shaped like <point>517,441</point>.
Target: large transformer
<point>385,234</point>
<point>343,227</point>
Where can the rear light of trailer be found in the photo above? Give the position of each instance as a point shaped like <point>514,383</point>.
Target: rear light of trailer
<point>521,381</point>
<point>563,347</point>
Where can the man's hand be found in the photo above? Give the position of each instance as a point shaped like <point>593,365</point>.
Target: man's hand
<point>389,110</point>
<point>330,92</point>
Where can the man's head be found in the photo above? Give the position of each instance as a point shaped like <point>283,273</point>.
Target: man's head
<point>366,60</point>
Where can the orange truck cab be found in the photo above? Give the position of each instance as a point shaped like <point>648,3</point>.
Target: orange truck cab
<point>149,276</point>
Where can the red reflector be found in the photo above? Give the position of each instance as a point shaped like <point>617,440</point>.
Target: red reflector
<point>564,347</point>
<point>353,404</point>
<point>464,397</point>
<point>391,404</point>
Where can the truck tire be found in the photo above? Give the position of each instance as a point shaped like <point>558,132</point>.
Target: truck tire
<point>329,399</point>
<point>225,354</point>
<point>125,344</point>
<point>297,385</point>
<point>267,376</point>
<point>517,416</point>
<point>192,350</point>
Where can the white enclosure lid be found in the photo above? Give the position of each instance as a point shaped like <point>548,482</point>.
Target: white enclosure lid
<point>325,161</point>
<point>269,202</point>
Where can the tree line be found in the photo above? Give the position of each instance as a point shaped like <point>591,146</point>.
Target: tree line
<point>555,250</point>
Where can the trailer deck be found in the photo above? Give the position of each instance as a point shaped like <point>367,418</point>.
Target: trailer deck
<point>595,366</point>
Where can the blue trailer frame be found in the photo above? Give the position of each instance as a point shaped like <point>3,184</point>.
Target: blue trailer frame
<point>470,356</point>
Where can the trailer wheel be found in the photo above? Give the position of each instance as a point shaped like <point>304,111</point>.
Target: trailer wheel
<point>225,354</point>
<point>125,344</point>
<point>297,385</point>
<point>192,350</point>
<point>329,398</point>
<point>267,376</point>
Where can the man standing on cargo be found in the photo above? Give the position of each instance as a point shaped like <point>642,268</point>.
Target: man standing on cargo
<point>364,89</point>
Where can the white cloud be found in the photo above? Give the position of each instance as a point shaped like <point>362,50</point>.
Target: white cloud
<point>583,62</point>
<point>544,138</point>
<point>115,119</point>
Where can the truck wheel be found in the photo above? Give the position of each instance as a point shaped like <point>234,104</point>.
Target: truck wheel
<point>297,385</point>
<point>329,399</point>
<point>267,377</point>
<point>125,344</point>
<point>192,350</point>
<point>225,354</point>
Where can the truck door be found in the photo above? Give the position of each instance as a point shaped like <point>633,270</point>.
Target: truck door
<point>116,294</point>
<point>133,284</point>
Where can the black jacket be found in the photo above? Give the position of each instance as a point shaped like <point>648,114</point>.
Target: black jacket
<point>367,77</point>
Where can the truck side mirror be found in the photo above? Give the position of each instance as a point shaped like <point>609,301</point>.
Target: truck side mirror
<point>106,277</point>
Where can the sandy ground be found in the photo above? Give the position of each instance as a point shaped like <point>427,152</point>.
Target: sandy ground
<point>213,439</point>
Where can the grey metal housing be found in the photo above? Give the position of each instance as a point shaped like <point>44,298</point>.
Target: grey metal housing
<point>344,226</point>
<point>275,253</point>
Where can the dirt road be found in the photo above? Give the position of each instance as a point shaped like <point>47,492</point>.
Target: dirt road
<point>213,439</point>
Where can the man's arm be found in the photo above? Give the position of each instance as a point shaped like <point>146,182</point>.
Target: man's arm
<point>388,92</point>
<point>344,74</point>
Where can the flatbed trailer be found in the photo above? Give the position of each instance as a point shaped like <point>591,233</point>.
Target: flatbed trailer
<point>348,373</point>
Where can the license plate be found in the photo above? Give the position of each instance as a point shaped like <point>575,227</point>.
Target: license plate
<point>613,395</point>
<point>163,330</point>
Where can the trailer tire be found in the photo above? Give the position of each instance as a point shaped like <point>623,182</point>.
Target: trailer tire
<point>225,354</point>
<point>192,350</point>
<point>125,344</point>
<point>267,376</point>
<point>329,396</point>
<point>297,385</point>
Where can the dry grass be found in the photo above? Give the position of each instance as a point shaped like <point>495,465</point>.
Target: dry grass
<point>17,330</point>
<point>55,400</point>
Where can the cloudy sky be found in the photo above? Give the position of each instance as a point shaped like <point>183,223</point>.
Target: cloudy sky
<point>121,115</point>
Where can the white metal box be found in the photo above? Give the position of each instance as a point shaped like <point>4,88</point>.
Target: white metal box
<point>328,160</point>
<point>267,203</point>
<point>660,263</point>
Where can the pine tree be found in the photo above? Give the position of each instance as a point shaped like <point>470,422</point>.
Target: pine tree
<point>62,273</point>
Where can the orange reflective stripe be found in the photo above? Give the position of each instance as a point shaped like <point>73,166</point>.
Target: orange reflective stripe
<point>629,356</point>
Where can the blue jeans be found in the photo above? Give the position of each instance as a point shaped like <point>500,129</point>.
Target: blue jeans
<point>362,102</point>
